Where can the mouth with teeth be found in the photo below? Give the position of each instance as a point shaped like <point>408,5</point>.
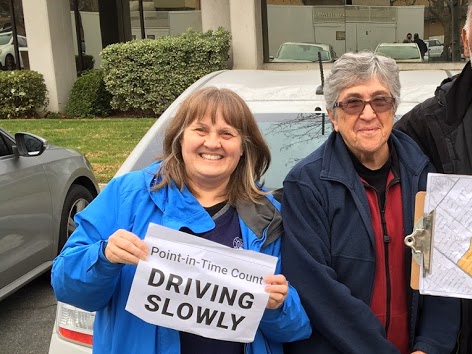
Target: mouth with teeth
<point>211,157</point>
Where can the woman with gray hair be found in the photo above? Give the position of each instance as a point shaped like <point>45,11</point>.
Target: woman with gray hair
<point>347,208</point>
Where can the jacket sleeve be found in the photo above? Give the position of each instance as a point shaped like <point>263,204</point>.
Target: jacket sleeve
<point>81,275</point>
<point>289,322</point>
<point>341,322</point>
<point>438,325</point>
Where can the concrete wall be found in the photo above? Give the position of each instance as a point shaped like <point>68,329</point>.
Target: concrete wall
<point>410,19</point>
<point>246,30</point>
<point>215,13</point>
<point>51,47</point>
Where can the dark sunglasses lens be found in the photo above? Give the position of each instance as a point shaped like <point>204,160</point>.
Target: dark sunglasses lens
<point>381,105</point>
<point>354,106</point>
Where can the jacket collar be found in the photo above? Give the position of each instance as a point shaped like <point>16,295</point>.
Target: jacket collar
<point>179,207</point>
<point>337,163</point>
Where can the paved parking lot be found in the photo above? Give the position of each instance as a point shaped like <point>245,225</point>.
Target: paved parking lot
<point>27,319</point>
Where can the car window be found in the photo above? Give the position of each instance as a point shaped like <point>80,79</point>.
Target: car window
<point>5,38</point>
<point>3,148</point>
<point>399,53</point>
<point>302,52</point>
<point>291,137</point>
<point>21,42</point>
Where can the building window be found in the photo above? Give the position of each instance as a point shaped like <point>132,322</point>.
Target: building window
<point>157,18</point>
<point>304,30</point>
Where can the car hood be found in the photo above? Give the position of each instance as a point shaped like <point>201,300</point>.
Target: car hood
<point>277,60</point>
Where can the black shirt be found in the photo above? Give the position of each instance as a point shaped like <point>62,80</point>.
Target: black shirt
<point>226,232</point>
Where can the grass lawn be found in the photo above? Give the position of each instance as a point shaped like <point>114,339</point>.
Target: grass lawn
<point>106,142</point>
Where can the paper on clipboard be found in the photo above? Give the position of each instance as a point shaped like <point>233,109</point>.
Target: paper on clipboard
<point>449,199</point>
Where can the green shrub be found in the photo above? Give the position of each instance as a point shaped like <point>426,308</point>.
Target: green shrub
<point>22,93</point>
<point>89,97</point>
<point>149,74</point>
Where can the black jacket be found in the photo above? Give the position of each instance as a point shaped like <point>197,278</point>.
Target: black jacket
<point>442,126</point>
<point>421,45</point>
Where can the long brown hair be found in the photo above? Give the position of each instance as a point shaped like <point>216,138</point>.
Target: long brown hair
<point>256,154</point>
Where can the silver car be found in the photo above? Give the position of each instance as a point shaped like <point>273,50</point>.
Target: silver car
<point>42,187</point>
<point>401,52</point>
<point>435,49</point>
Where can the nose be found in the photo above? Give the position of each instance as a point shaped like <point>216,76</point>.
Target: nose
<point>368,111</point>
<point>212,140</point>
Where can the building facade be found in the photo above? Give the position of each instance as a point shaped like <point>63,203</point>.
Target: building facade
<point>59,30</point>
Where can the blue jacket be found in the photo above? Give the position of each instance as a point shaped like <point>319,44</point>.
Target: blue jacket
<point>329,255</point>
<point>83,277</point>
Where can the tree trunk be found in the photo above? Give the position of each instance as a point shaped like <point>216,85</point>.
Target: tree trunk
<point>456,31</point>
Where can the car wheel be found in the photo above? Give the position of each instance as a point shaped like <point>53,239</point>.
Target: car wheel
<point>76,200</point>
<point>9,63</point>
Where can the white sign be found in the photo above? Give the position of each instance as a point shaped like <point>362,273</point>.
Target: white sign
<point>194,285</point>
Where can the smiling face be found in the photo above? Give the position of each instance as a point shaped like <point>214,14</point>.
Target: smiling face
<point>365,134</point>
<point>211,152</point>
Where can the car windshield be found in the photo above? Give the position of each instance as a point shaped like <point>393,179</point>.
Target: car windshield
<point>434,43</point>
<point>302,52</point>
<point>399,53</point>
<point>291,137</point>
<point>5,38</point>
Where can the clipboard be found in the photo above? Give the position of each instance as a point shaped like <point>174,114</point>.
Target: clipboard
<point>420,241</point>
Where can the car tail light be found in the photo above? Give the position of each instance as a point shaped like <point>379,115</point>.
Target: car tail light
<point>74,324</point>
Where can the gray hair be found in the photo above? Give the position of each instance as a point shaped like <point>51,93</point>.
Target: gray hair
<point>352,69</point>
<point>467,19</point>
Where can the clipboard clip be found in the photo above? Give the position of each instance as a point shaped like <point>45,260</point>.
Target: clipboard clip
<point>421,240</point>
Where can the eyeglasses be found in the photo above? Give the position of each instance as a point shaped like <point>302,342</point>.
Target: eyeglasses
<point>356,105</point>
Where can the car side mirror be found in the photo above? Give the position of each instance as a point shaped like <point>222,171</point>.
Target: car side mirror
<point>29,145</point>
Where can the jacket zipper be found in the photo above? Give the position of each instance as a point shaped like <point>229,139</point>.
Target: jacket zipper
<point>386,240</point>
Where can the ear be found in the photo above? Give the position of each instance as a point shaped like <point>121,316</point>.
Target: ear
<point>333,119</point>
<point>465,43</point>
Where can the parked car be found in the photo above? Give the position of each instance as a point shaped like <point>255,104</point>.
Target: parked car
<point>304,52</point>
<point>6,26</point>
<point>7,50</point>
<point>293,120</point>
<point>435,49</point>
<point>42,187</point>
<point>401,52</point>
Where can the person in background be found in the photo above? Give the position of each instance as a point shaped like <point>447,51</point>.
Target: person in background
<point>442,127</point>
<point>347,208</point>
<point>408,38</point>
<point>205,184</point>
<point>421,44</point>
